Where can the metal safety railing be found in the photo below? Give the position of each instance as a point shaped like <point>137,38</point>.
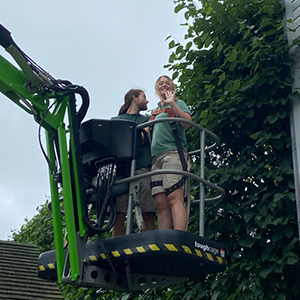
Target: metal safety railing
<point>203,148</point>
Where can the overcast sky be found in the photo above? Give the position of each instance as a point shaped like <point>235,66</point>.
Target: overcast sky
<point>106,46</point>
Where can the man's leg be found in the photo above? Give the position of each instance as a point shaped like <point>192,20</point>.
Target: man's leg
<point>149,221</point>
<point>119,227</point>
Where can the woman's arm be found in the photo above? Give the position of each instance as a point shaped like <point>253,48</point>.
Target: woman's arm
<point>170,99</point>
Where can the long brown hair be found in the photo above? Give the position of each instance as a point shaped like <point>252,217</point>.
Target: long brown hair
<point>128,99</point>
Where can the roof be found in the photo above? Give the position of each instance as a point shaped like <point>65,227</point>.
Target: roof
<point>18,274</point>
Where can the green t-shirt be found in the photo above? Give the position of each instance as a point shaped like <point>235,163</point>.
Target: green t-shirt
<point>163,138</point>
<point>143,158</point>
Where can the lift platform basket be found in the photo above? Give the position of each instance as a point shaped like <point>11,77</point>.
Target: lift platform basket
<point>154,258</point>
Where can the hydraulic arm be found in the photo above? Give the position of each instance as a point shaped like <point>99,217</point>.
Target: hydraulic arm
<point>53,105</point>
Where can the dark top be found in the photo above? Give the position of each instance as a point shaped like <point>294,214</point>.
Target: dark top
<point>143,156</point>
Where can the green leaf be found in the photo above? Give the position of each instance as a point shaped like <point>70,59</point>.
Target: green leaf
<point>171,44</point>
<point>288,232</point>
<point>248,215</point>
<point>272,119</point>
<point>265,256</point>
<point>179,7</point>
<point>243,56</point>
<point>232,85</point>
<point>219,48</point>
<point>233,56</point>
<point>221,78</point>
<point>265,272</point>
<point>279,196</point>
<point>292,258</point>
<point>256,135</point>
<point>270,32</point>
<point>249,113</point>
<point>215,295</point>
<point>281,297</point>
<point>207,41</point>
<point>189,45</point>
<point>277,235</point>
<point>265,22</point>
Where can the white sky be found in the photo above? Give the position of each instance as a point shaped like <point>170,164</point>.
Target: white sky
<point>106,46</point>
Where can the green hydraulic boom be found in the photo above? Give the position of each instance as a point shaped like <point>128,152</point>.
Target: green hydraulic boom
<point>53,106</point>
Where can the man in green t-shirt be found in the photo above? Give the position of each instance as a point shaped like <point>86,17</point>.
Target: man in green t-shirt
<point>135,101</point>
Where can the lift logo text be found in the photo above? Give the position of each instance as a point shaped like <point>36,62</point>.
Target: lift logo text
<point>207,248</point>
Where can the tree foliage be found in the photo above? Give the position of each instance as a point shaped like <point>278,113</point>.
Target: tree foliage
<point>38,230</point>
<point>234,72</point>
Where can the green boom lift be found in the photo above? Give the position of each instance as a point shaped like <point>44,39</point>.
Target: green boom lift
<point>90,163</point>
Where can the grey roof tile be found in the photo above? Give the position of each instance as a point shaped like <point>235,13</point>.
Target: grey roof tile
<point>18,274</point>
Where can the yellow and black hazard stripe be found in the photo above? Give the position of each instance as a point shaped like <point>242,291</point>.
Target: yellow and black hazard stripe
<point>50,266</point>
<point>118,253</point>
<point>143,249</point>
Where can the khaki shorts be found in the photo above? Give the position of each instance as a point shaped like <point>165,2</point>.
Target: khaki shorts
<point>167,160</point>
<point>147,202</point>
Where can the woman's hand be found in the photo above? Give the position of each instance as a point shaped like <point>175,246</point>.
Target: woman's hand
<point>170,97</point>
